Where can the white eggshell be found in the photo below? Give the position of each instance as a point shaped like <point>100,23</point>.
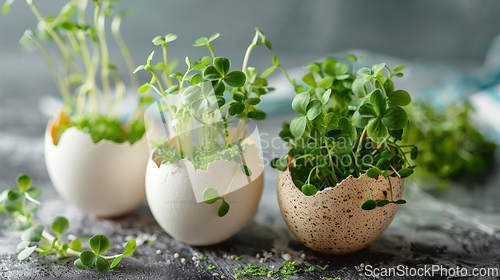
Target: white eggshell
<point>332,220</point>
<point>174,196</point>
<point>104,178</point>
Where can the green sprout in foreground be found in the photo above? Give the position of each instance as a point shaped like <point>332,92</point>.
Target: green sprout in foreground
<point>348,124</point>
<point>35,238</point>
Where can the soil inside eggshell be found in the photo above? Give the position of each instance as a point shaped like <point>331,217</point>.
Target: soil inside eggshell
<point>332,221</point>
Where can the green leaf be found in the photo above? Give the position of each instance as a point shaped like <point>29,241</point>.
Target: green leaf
<point>246,170</point>
<point>68,25</point>
<point>211,73</point>
<point>299,89</point>
<point>116,261</point>
<point>76,245</point>
<point>88,258</point>
<point>203,41</point>
<point>341,68</point>
<point>399,75</point>
<point>26,253</point>
<point>78,263</point>
<point>210,195</point>
<point>309,80</point>
<point>358,87</point>
<point>298,126</point>
<point>254,101</point>
<point>326,96</point>
<point>236,78</point>
<point>23,245</point>
<point>387,154</point>
<point>401,201</point>
<point>377,131</point>
<point>102,264</point>
<point>34,192</point>
<point>99,243</point>
<point>400,97</point>
<point>199,106</point>
<point>300,102</point>
<point>158,40</point>
<point>405,172</point>
<point>395,118</point>
<point>170,37</point>
<point>379,102</point>
<point>213,37</point>
<point>59,225</point>
<point>365,71</point>
<point>23,181</point>
<point>260,82</point>
<point>236,108</point>
<point>130,248</point>
<point>397,134</point>
<point>309,189</point>
<point>367,110</point>
<point>139,68</point>
<point>360,121</point>
<point>314,109</point>
<point>223,208</point>
<point>14,194</point>
<point>6,7</point>
<point>12,205</point>
<point>325,82</point>
<point>238,96</point>
<point>33,234</point>
<point>282,164</point>
<point>145,87</point>
<point>174,90</point>
<point>150,57</point>
<point>268,71</point>
<point>222,65</point>
<point>382,203</point>
<point>377,68</point>
<point>196,79</point>
<point>414,153</point>
<point>399,68</point>
<point>191,94</point>
<point>370,204</point>
<point>383,164</point>
<point>275,61</point>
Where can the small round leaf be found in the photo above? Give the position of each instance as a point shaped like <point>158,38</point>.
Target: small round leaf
<point>309,189</point>
<point>116,261</point>
<point>99,243</point>
<point>210,195</point>
<point>130,248</point>
<point>88,258</point>
<point>59,225</point>
<point>373,172</point>
<point>24,182</point>
<point>370,204</point>
<point>102,264</point>
<point>223,209</point>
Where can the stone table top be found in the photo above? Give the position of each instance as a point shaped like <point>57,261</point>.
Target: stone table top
<point>457,227</point>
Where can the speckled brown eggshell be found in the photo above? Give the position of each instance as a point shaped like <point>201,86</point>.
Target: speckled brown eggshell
<point>332,220</point>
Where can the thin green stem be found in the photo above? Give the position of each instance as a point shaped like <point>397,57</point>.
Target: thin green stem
<point>99,21</point>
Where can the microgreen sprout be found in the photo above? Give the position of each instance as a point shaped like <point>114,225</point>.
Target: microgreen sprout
<point>35,238</point>
<point>197,97</point>
<point>85,59</point>
<point>349,123</point>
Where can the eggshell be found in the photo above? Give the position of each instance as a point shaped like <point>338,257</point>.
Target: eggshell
<point>105,178</point>
<point>174,192</point>
<point>332,220</point>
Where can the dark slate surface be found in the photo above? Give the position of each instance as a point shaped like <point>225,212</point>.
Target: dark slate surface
<point>460,226</point>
